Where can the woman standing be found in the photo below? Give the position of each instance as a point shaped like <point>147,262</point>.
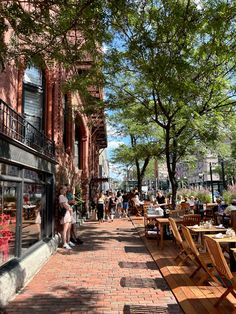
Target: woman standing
<point>66,220</point>
<point>100,206</point>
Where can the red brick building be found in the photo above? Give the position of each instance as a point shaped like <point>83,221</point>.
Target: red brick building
<point>46,140</point>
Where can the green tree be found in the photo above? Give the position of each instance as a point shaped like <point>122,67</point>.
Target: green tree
<point>144,142</point>
<point>177,60</point>
<point>68,32</point>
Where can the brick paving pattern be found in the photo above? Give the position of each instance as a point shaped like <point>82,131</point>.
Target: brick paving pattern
<point>112,272</point>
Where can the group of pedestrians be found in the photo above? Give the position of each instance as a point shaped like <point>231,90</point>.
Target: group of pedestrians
<point>67,218</point>
<point>111,205</point>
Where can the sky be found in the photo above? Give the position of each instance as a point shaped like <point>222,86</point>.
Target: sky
<point>114,141</point>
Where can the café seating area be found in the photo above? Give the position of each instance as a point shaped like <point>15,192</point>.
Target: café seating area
<point>198,261</point>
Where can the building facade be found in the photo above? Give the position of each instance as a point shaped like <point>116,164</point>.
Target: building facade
<point>46,140</point>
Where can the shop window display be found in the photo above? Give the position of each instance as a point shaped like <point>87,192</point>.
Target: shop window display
<point>24,219</point>
<point>8,197</point>
<point>32,214</point>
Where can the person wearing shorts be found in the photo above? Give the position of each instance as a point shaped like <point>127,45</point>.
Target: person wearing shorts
<point>66,220</point>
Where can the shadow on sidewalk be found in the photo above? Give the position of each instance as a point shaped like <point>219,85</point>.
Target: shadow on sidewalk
<point>62,299</point>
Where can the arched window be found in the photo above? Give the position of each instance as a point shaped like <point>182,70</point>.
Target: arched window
<point>33,97</point>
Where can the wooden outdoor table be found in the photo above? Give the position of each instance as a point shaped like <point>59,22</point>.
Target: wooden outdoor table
<point>161,222</point>
<point>231,242</point>
<point>201,230</point>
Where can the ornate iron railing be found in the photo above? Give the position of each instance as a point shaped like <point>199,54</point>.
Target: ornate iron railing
<point>15,126</point>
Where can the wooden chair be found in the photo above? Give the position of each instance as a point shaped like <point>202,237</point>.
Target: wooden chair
<point>146,205</point>
<point>227,279</point>
<point>133,209</point>
<point>191,220</point>
<point>202,260</point>
<point>185,252</point>
<point>185,206</point>
<point>178,212</point>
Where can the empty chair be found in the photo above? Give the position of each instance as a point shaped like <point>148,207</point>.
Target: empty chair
<point>202,260</point>
<point>226,277</point>
<point>191,220</point>
<point>184,253</point>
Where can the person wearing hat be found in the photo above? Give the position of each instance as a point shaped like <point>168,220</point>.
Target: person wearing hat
<point>229,208</point>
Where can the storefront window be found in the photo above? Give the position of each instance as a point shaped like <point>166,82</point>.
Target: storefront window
<point>9,170</point>
<point>8,212</point>
<point>25,210</point>
<point>34,208</point>
<point>33,175</point>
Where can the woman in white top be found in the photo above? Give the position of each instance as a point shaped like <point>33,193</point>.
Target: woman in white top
<point>100,206</point>
<point>66,220</point>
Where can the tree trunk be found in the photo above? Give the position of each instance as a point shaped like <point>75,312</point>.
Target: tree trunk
<point>141,173</point>
<point>171,161</point>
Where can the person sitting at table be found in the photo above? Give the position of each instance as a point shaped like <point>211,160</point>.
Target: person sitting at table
<point>137,205</point>
<point>218,211</point>
<point>161,200</point>
<point>227,213</point>
<point>229,208</point>
<point>179,199</point>
<point>191,202</point>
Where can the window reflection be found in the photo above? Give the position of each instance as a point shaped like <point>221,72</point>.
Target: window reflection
<point>9,170</point>
<point>33,175</point>
<point>32,214</point>
<point>8,197</point>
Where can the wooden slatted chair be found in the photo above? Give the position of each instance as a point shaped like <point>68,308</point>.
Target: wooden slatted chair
<point>202,260</point>
<point>185,252</point>
<point>185,207</point>
<point>227,279</point>
<point>191,220</point>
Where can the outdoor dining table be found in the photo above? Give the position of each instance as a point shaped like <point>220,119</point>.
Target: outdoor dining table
<point>231,242</point>
<point>161,222</point>
<point>201,230</point>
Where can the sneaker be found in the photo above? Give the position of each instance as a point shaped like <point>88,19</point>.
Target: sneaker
<point>71,244</point>
<point>66,246</point>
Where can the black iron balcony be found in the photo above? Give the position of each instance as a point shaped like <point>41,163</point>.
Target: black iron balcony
<point>16,127</point>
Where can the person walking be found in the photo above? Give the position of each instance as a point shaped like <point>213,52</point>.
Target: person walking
<point>112,205</point>
<point>100,206</point>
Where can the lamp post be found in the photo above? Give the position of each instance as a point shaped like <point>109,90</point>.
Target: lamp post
<point>223,174</point>
<point>212,188</point>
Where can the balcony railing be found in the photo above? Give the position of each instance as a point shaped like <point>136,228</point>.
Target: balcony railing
<point>16,127</point>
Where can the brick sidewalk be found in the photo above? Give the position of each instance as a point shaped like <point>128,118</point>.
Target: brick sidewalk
<point>112,272</point>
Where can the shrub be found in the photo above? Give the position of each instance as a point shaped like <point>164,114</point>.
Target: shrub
<point>230,194</point>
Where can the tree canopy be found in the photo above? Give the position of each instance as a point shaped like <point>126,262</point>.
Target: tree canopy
<point>144,142</point>
<point>177,60</point>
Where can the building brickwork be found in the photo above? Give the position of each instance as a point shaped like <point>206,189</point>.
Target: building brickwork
<point>11,92</point>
